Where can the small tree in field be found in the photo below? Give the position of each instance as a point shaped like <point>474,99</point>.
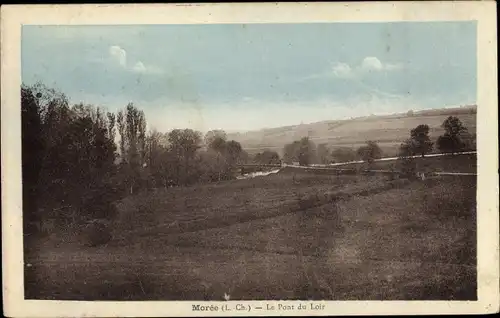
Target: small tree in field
<point>455,138</point>
<point>324,155</point>
<point>420,141</point>
<point>303,151</point>
<point>406,158</point>
<point>370,152</point>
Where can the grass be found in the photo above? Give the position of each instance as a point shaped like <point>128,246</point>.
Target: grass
<point>283,236</point>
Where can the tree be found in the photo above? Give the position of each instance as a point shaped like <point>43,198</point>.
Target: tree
<point>324,155</point>
<point>303,151</point>
<point>306,151</point>
<point>408,148</point>
<point>211,166</point>
<point>32,148</point>
<point>120,119</point>
<point>344,154</point>
<point>211,135</point>
<point>290,152</point>
<point>267,157</point>
<point>111,126</point>
<point>132,130</point>
<point>68,157</point>
<point>244,157</point>
<point>456,137</point>
<point>369,152</point>
<point>406,158</point>
<point>184,143</point>
<point>233,152</point>
<point>420,140</point>
<point>142,137</point>
<point>218,144</point>
<point>155,157</point>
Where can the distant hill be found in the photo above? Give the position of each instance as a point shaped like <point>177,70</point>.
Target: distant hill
<point>388,130</point>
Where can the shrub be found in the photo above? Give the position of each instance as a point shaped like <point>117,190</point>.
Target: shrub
<point>370,152</point>
<point>408,167</point>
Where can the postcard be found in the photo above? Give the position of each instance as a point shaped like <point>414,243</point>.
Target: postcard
<point>260,159</point>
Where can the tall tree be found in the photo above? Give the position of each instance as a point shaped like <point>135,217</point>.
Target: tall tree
<point>31,151</point>
<point>184,144</point>
<point>135,144</point>
<point>211,135</point>
<point>111,125</point>
<point>456,137</point>
<point>120,119</point>
<point>132,118</point>
<point>233,152</point>
<point>306,151</point>
<point>142,136</point>
<point>420,140</point>
<point>290,152</point>
<point>303,151</point>
<point>216,140</point>
<point>324,156</point>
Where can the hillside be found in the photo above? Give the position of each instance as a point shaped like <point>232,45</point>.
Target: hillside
<point>388,130</point>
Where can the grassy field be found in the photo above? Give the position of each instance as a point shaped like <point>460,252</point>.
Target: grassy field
<point>283,236</point>
<point>388,131</point>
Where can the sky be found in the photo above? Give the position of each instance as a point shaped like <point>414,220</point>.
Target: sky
<point>241,77</point>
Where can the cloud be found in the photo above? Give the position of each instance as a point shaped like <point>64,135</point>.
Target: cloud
<point>369,64</point>
<point>342,70</point>
<point>118,54</point>
<point>139,67</point>
<point>393,67</point>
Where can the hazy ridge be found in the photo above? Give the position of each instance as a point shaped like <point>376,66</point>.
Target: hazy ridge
<point>388,130</point>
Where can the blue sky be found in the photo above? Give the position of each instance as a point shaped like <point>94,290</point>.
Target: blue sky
<point>251,76</point>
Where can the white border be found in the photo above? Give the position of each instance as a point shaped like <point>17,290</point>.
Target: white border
<point>12,17</point>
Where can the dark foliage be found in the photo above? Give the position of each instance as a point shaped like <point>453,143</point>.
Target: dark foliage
<point>267,157</point>
<point>456,137</point>
<point>420,142</point>
<point>302,151</point>
<point>370,152</point>
<point>78,160</point>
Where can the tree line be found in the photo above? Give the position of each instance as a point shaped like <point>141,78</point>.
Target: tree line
<point>456,138</point>
<point>78,159</point>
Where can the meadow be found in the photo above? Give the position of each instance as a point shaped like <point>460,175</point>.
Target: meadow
<point>290,235</point>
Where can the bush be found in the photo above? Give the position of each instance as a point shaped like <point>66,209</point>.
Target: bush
<point>408,167</point>
<point>370,152</point>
